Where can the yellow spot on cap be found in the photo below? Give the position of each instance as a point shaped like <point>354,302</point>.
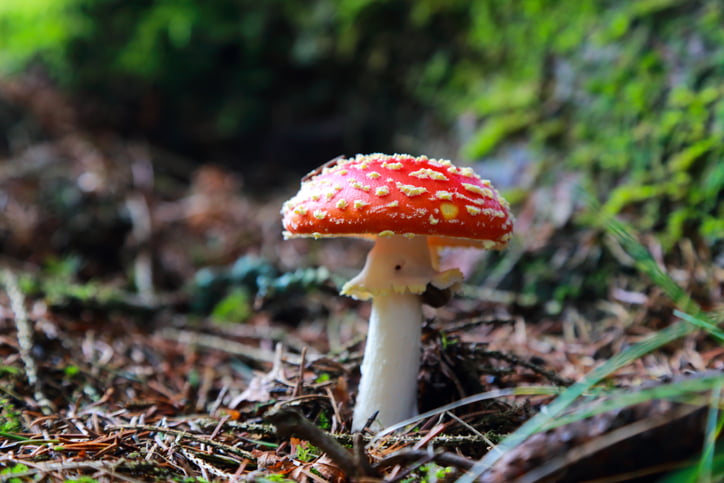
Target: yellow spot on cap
<point>427,173</point>
<point>300,210</point>
<point>393,204</point>
<point>357,185</point>
<point>493,213</point>
<point>359,204</point>
<point>473,188</point>
<point>373,174</point>
<point>473,210</point>
<point>386,233</point>
<point>320,214</point>
<point>315,197</point>
<point>433,220</point>
<point>411,190</point>
<point>449,211</point>
<point>468,172</point>
<point>382,191</point>
<point>342,204</point>
<point>392,165</point>
<point>330,194</point>
<point>443,195</point>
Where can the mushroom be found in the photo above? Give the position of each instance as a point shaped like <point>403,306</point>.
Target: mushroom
<point>410,207</point>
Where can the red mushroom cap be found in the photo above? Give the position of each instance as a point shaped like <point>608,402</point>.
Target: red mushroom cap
<point>383,195</point>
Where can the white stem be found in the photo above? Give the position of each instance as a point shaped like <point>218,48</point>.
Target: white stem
<point>391,361</point>
<point>398,269</point>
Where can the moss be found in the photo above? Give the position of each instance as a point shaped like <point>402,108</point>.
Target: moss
<point>628,94</point>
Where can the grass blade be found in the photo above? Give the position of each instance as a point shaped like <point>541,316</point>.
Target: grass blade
<point>613,400</point>
<point>713,429</point>
<point>556,408</point>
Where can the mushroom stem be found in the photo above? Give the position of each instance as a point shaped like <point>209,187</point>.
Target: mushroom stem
<point>391,361</point>
<point>397,271</point>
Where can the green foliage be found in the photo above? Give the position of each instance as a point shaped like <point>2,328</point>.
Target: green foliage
<point>276,478</point>
<point>58,285</point>
<point>234,307</point>
<point>634,92</point>
<point>306,452</point>
<point>39,30</point>
<point>324,421</point>
<point>11,470</point>
<point>429,473</point>
<point>228,71</point>
<point>10,421</point>
<point>323,377</point>
<point>692,472</point>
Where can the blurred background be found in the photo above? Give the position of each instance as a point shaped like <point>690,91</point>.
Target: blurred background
<point>620,100</point>
<point>146,148</point>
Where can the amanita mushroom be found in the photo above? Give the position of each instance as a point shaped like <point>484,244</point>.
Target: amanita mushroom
<point>410,207</point>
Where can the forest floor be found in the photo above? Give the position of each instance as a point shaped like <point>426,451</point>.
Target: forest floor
<point>154,326</point>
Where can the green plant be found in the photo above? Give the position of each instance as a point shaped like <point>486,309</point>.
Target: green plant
<point>275,478</point>
<point>306,452</point>
<point>10,421</point>
<point>693,318</point>
<point>7,473</point>
<point>234,307</point>
<point>82,479</point>
<point>429,473</point>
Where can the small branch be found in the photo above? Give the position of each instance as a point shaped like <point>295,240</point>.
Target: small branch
<point>38,470</point>
<point>142,229</point>
<point>224,344</point>
<point>185,434</point>
<point>290,422</point>
<point>25,339</point>
<point>470,324</point>
<point>550,375</point>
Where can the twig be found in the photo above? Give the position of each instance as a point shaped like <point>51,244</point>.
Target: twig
<point>204,465</point>
<point>550,375</point>
<point>187,435</point>
<point>346,439</point>
<point>25,339</point>
<point>137,207</point>
<point>360,455</point>
<point>410,468</point>
<point>472,429</point>
<point>469,324</point>
<point>214,342</point>
<point>290,422</point>
<point>66,466</point>
<point>298,387</point>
